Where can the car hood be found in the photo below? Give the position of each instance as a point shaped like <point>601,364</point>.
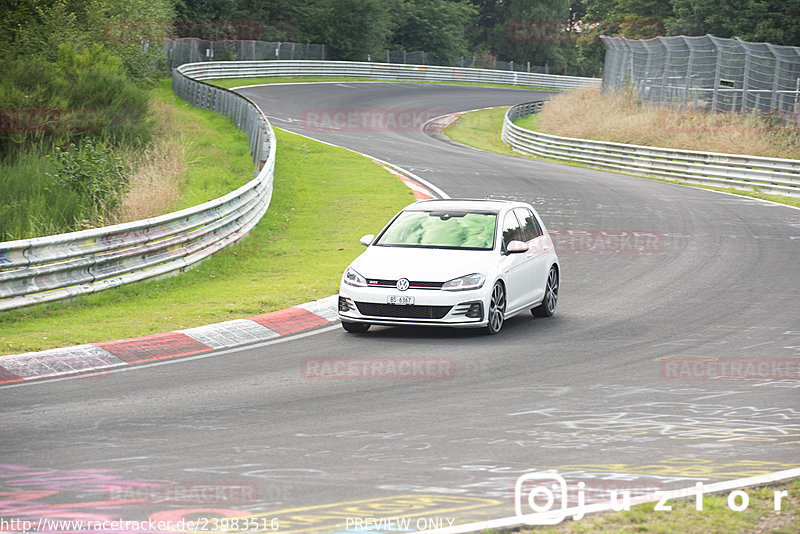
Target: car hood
<point>421,264</point>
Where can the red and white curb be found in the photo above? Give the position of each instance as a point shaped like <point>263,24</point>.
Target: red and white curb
<point>94,357</point>
<point>83,359</point>
<point>420,192</point>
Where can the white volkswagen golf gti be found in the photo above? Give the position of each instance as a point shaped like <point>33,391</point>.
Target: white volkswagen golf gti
<point>462,263</point>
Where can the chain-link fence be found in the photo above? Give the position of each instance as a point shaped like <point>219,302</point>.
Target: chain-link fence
<point>706,73</point>
<point>425,58</point>
<point>193,50</point>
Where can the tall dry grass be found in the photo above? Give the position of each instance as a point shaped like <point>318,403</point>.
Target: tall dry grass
<point>156,179</point>
<point>619,117</point>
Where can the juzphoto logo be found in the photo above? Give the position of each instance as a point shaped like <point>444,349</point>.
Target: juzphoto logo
<point>541,499</point>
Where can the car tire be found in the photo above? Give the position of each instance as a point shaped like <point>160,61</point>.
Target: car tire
<point>548,306</point>
<point>497,309</point>
<point>355,328</point>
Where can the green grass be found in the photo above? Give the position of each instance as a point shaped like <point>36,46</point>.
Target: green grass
<point>31,204</point>
<point>529,122</point>
<point>715,517</point>
<point>474,129</point>
<point>218,152</point>
<point>324,200</point>
<point>481,129</point>
<point>239,82</point>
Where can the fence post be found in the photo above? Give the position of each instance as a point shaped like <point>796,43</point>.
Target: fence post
<point>746,77</point>
<point>774,98</point>
<point>715,94</point>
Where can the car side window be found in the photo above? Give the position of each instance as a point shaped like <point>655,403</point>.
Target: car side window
<point>511,229</point>
<point>530,226</point>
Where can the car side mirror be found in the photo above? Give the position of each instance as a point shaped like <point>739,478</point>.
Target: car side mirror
<point>517,247</point>
<point>367,239</point>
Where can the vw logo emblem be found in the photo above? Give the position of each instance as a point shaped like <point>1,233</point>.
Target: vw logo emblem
<point>403,284</point>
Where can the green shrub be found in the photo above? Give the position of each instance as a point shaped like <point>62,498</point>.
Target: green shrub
<point>84,93</point>
<point>95,174</point>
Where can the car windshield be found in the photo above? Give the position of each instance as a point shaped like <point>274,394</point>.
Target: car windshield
<point>441,229</point>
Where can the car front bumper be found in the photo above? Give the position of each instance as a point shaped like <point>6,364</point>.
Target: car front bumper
<point>430,308</point>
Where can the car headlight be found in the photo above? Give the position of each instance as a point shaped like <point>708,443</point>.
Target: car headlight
<point>471,281</point>
<point>352,278</point>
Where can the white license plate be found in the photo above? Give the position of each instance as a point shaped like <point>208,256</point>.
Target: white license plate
<point>401,300</point>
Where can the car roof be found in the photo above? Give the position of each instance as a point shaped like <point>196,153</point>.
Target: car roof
<point>484,204</point>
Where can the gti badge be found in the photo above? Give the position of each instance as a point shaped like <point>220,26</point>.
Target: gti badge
<point>403,284</point>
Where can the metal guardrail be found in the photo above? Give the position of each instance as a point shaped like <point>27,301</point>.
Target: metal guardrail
<point>768,175</point>
<point>61,266</point>
<point>55,267</point>
<point>382,71</point>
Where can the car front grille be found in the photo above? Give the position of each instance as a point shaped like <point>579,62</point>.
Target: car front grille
<point>407,312</point>
<point>372,282</point>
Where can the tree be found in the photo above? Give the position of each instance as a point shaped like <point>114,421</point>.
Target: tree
<point>133,30</point>
<point>350,29</point>
<point>435,26</point>
<point>205,10</point>
<point>772,21</point>
<point>534,31</point>
<point>634,19</point>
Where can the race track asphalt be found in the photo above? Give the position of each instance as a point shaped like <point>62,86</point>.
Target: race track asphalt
<point>613,391</point>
